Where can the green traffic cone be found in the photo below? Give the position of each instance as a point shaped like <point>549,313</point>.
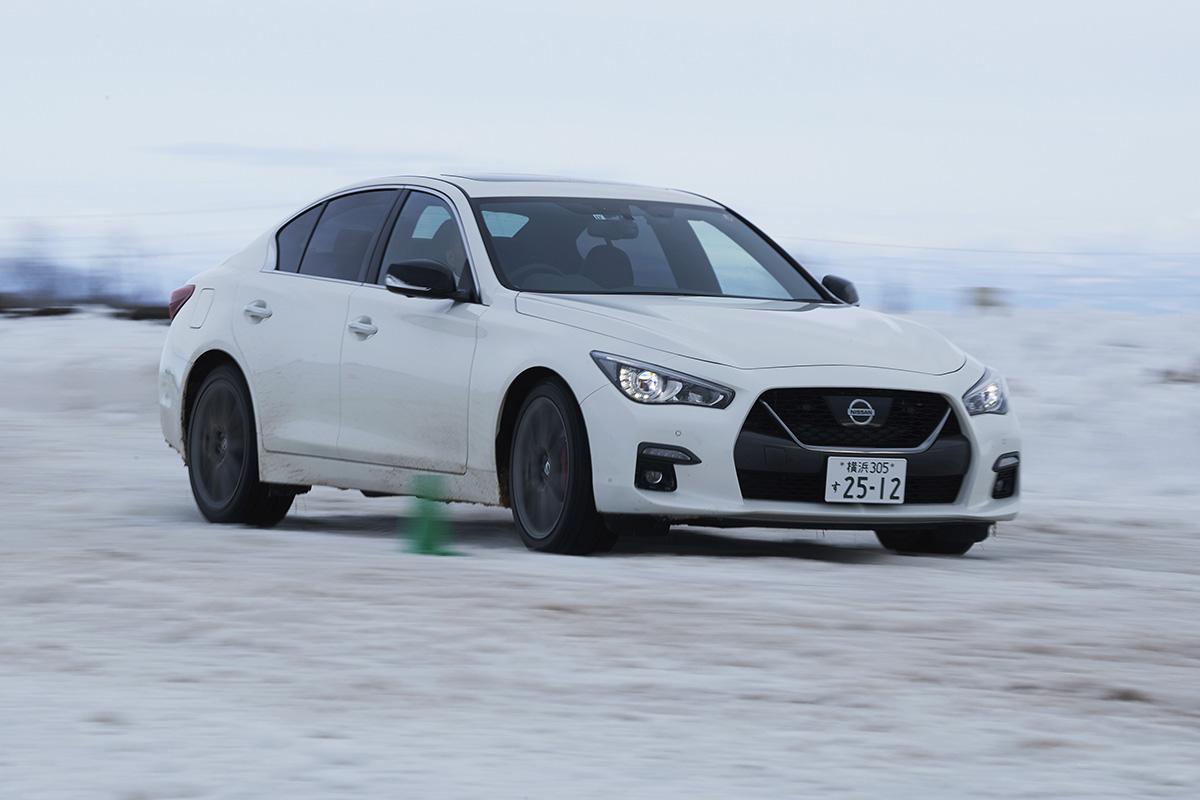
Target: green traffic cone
<point>428,531</point>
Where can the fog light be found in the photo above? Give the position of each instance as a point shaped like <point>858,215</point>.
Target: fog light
<point>655,470</point>
<point>1007,469</point>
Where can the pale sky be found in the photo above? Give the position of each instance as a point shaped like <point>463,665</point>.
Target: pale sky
<point>1017,124</point>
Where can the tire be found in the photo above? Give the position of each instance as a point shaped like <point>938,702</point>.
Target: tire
<point>222,452</point>
<point>946,540</point>
<point>550,476</point>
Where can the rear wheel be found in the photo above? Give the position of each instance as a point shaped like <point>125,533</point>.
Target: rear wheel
<point>550,476</point>
<point>945,540</point>
<point>223,455</point>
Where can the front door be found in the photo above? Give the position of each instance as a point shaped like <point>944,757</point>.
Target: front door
<point>406,361</point>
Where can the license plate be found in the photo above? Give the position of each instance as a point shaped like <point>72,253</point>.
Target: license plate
<point>865,480</point>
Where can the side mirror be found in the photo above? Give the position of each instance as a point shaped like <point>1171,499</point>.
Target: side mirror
<point>422,277</point>
<point>841,288</point>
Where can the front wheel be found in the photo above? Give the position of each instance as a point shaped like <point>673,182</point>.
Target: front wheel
<point>550,476</point>
<point>944,540</point>
<point>222,453</point>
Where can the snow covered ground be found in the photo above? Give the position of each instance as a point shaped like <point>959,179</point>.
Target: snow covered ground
<point>145,654</point>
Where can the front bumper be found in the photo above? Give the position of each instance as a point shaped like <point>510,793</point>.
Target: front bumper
<point>709,491</point>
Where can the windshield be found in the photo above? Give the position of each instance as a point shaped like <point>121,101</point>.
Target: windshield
<point>594,246</point>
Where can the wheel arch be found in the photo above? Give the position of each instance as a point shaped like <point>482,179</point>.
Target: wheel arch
<point>199,370</point>
<point>518,389</point>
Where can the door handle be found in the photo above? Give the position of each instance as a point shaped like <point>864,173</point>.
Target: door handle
<point>257,310</point>
<point>363,327</point>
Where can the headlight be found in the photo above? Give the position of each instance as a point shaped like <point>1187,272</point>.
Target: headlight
<point>646,383</point>
<point>988,396</point>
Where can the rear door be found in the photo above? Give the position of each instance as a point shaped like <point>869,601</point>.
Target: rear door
<point>291,320</point>
<point>406,361</point>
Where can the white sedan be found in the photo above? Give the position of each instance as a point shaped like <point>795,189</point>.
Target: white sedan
<point>602,358</point>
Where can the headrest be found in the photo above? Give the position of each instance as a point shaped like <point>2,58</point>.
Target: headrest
<point>608,266</point>
<point>350,242</point>
<point>447,245</point>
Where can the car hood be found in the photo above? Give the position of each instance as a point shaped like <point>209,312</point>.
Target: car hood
<point>753,334</point>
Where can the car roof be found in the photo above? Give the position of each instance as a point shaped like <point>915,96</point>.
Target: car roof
<point>513,185</point>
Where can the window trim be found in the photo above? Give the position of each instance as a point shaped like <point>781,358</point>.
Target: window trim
<point>371,278</point>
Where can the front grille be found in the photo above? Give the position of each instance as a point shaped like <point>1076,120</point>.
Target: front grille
<point>810,416</point>
<point>798,487</point>
<point>771,466</point>
<point>761,421</point>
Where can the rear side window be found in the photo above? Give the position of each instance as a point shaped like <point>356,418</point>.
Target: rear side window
<point>344,237</point>
<point>292,238</point>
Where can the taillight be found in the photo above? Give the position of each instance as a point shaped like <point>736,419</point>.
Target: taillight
<point>178,298</point>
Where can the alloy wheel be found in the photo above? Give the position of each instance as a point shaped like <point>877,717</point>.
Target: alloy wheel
<point>220,458</point>
<point>542,463</point>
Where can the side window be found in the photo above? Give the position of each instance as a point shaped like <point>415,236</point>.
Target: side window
<point>342,242</point>
<point>291,239</point>
<point>425,228</point>
<point>738,272</point>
